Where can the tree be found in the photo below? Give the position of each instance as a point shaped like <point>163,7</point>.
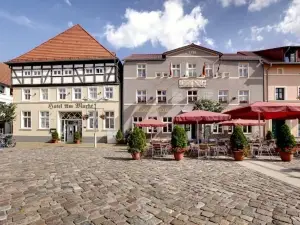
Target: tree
<point>178,139</point>
<point>285,140</point>
<point>208,105</point>
<point>7,112</point>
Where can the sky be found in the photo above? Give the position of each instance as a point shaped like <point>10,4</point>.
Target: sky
<point>152,26</point>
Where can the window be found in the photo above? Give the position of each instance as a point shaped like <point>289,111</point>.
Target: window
<point>77,93</point>
<point>136,120</point>
<point>223,96</point>
<point>279,70</point>
<point>208,70</point>
<point>141,96</point>
<point>279,94</point>
<point>158,74</point>
<point>109,120</point>
<point>217,129</point>
<point>192,96</point>
<point>298,127</point>
<point>93,92</point>
<point>169,127</point>
<point>44,120</point>
<point>88,70</point>
<point>298,94</point>
<point>44,94</point>
<point>56,72</point>
<point>99,70</point>
<point>230,129</point>
<point>161,96</point>
<point>150,129</point>
<point>176,70</point>
<point>109,92</point>
<point>26,94</point>
<point>141,70</point>
<point>2,89</point>
<point>165,74</point>
<point>26,120</point>
<point>27,73</point>
<point>243,96</point>
<point>36,73</point>
<point>243,70</point>
<point>68,72</point>
<point>93,120</point>
<point>191,70</point>
<point>62,93</point>
<point>247,129</point>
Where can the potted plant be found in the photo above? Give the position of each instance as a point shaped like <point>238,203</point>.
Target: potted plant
<point>120,137</point>
<point>77,137</point>
<point>269,136</point>
<point>178,142</point>
<point>136,143</point>
<point>286,143</point>
<point>238,143</point>
<point>55,137</point>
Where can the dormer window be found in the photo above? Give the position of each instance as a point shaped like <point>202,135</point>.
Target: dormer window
<point>99,70</point>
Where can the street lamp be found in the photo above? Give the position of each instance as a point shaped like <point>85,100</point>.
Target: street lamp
<point>95,116</point>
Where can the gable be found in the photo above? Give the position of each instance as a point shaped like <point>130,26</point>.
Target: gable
<point>72,44</point>
<point>192,50</point>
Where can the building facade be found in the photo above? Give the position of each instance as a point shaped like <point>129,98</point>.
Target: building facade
<point>162,86</point>
<point>282,82</point>
<point>5,95</point>
<point>71,83</point>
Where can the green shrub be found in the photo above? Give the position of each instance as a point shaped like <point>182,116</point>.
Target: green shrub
<point>285,140</point>
<point>55,136</point>
<point>178,139</point>
<point>77,136</point>
<point>269,135</point>
<point>136,141</point>
<point>238,140</point>
<point>120,137</point>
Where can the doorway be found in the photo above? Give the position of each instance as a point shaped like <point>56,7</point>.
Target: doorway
<point>276,125</point>
<point>70,122</point>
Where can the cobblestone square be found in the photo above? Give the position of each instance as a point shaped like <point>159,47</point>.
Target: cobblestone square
<point>66,185</point>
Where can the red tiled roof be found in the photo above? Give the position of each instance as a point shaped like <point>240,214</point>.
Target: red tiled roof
<point>135,57</point>
<point>5,74</point>
<point>239,57</point>
<point>247,53</point>
<point>72,44</point>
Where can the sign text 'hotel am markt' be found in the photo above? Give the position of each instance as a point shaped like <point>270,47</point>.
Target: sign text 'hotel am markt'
<point>71,106</point>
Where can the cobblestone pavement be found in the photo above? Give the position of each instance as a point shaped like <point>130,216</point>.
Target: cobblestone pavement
<point>85,186</point>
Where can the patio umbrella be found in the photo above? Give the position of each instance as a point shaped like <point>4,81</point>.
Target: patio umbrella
<point>200,117</point>
<point>241,122</point>
<point>151,123</point>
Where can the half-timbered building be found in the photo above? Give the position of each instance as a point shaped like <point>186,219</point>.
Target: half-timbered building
<point>70,83</point>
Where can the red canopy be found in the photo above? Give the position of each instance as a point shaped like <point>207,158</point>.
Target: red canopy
<point>267,110</point>
<point>241,122</point>
<point>151,123</point>
<point>201,117</point>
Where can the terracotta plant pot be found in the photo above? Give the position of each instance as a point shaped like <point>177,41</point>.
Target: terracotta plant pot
<point>77,142</point>
<point>136,155</point>
<point>286,156</point>
<point>178,156</point>
<point>238,155</point>
<point>54,141</point>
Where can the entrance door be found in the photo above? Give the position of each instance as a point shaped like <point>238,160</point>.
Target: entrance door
<point>276,125</point>
<point>70,132</point>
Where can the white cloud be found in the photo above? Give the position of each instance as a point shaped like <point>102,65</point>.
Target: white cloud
<point>20,20</point>
<point>171,28</point>
<point>253,5</point>
<point>257,32</point>
<point>291,43</point>
<point>70,24</point>
<point>228,44</point>
<point>68,2</point>
<point>209,41</point>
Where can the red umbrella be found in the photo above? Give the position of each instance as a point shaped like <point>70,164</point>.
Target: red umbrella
<point>240,122</point>
<point>151,123</point>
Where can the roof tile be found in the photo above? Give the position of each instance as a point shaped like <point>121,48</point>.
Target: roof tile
<point>5,74</point>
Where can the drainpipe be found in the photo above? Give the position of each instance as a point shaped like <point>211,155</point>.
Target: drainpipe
<point>267,82</point>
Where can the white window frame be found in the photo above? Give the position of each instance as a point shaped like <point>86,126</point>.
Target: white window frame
<point>193,96</point>
<point>74,93</point>
<point>23,95</point>
<point>108,92</point>
<point>281,68</point>
<point>89,92</point>
<point>209,67</point>
<point>114,119</point>
<point>220,129</point>
<point>298,92</point>
<point>41,94</point>
<point>247,130</point>
<point>160,74</point>
<point>192,69</point>
<point>58,94</point>
<point>26,73</point>
<point>91,115</point>
<point>173,69</point>
<point>39,73</point>
<point>284,93</point>
<point>68,72</point>
<point>22,120</point>
<point>239,96</point>
<point>141,96</point>
<point>223,95</point>
<point>139,119</point>
<point>242,66</point>
<point>168,123</point>
<point>137,70</point>
<point>44,117</point>
<point>155,129</point>
<point>99,68</point>
<point>232,128</point>
<point>161,96</point>
<point>57,70</point>
<point>89,71</point>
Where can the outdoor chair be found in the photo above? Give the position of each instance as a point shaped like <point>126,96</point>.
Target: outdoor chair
<point>265,149</point>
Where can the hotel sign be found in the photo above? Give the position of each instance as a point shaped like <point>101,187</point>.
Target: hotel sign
<point>152,110</point>
<point>71,106</point>
<point>191,83</point>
